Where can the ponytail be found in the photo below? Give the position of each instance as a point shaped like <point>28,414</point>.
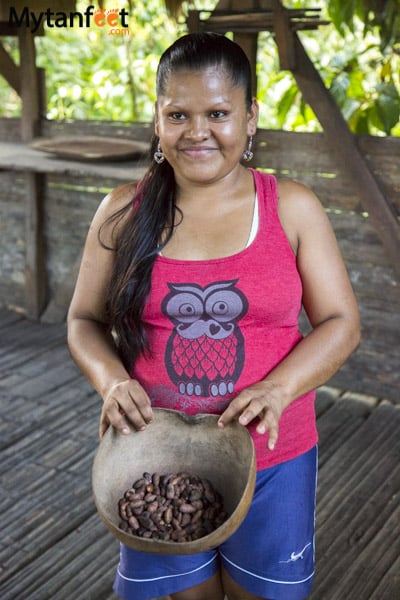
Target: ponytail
<point>137,246</point>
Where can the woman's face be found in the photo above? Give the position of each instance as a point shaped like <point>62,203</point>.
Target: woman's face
<point>203,125</point>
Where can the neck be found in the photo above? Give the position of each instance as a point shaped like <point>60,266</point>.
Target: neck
<point>234,186</point>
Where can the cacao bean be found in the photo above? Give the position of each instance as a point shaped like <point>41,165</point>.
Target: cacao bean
<point>150,497</point>
<point>168,515</point>
<point>170,491</point>
<point>133,523</point>
<point>187,508</point>
<point>186,519</point>
<point>139,483</point>
<point>178,507</point>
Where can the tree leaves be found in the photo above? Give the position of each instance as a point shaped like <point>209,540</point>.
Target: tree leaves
<point>384,15</point>
<point>388,105</point>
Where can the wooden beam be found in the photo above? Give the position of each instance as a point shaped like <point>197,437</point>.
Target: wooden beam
<point>347,153</point>
<point>193,21</point>
<point>30,86</point>
<point>35,268</point>
<point>286,51</point>
<point>9,70</point>
<point>249,43</point>
<point>7,29</point>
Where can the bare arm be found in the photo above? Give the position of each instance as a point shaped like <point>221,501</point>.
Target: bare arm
<point>89,336</point>
<point>331,308</point>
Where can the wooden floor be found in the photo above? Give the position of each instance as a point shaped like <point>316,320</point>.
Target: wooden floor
<point>54,546</point>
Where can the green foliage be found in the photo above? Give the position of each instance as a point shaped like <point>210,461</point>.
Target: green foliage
<point>378,24</point>
<point>381,15</point>
<point>106,74</point>
<point>94,74</point>
<point>364,79</point>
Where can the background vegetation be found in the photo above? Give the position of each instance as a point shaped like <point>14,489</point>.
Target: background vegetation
<point>91,74</point>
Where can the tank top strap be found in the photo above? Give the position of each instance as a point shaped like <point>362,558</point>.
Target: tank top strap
<point>267,192</point>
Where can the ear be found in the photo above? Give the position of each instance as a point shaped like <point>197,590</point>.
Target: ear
<point>252,117</point>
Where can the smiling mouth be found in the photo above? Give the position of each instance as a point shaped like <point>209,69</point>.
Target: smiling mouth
<point>198,151</point>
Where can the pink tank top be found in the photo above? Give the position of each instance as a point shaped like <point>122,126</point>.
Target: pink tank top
<point>218,326</point>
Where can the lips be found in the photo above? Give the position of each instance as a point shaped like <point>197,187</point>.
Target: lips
<point>198,151</point>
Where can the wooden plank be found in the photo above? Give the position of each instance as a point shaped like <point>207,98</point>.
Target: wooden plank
<point>337,424</point>
<point>367,371</point>
<point>131,130</point>
<point>19,157</point>
<point>373,442</point>
<point>9,318</point>
<point>363,580</point>
<point>358,505</point>
<point>359,242</point>
<point>389,586</point>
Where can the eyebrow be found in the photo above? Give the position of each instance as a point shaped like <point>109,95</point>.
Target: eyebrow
<point>177,105</point>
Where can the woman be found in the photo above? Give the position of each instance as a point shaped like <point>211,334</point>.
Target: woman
<point>201,272</point>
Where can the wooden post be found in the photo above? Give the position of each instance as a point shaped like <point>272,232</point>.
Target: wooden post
<point>35,268</point>
<point>286,51</point>
<point>29,86</point>
<point>249,42</point>
<point>32,101</point>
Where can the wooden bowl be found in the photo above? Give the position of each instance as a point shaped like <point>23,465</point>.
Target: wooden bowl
<point>176,442</point>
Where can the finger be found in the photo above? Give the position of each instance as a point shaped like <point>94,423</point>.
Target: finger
<point>234,409</point>
<point>142,402</point>
<point>251,411</point>
<point>269,424</point>
<point>115,417</point>
<point>273,438</point>
<point>104,425</point>
<point>128,403</point>
<point>137,409</point>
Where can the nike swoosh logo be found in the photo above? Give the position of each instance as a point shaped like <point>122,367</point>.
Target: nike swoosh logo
<point>296,555</point>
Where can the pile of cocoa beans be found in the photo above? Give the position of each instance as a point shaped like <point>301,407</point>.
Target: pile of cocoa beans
<point>176,507</point>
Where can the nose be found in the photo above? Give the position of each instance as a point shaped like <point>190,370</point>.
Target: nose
<point>198,128</point>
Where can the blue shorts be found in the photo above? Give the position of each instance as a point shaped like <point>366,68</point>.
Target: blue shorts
<point>270,555</point>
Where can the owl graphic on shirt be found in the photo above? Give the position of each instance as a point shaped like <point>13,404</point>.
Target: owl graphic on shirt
<point>204,355</point>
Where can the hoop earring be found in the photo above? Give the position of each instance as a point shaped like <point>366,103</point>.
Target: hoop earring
<point>158,155</point>
<point>248,154</point>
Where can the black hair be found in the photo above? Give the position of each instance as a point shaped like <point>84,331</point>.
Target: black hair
<point>153,208</point>
<point>197,51</point>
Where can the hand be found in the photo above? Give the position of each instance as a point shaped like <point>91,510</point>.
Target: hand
<point>126,402</point>
<point>264,400</point>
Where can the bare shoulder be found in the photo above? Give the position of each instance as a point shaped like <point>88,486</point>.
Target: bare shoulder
<point>294,196</point>
<point>110,214</point>
<point>117,199</point>
<point>300,211</point>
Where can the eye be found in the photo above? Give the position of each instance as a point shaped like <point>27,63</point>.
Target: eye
<point>177,116</point>
<point>218,114</point>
